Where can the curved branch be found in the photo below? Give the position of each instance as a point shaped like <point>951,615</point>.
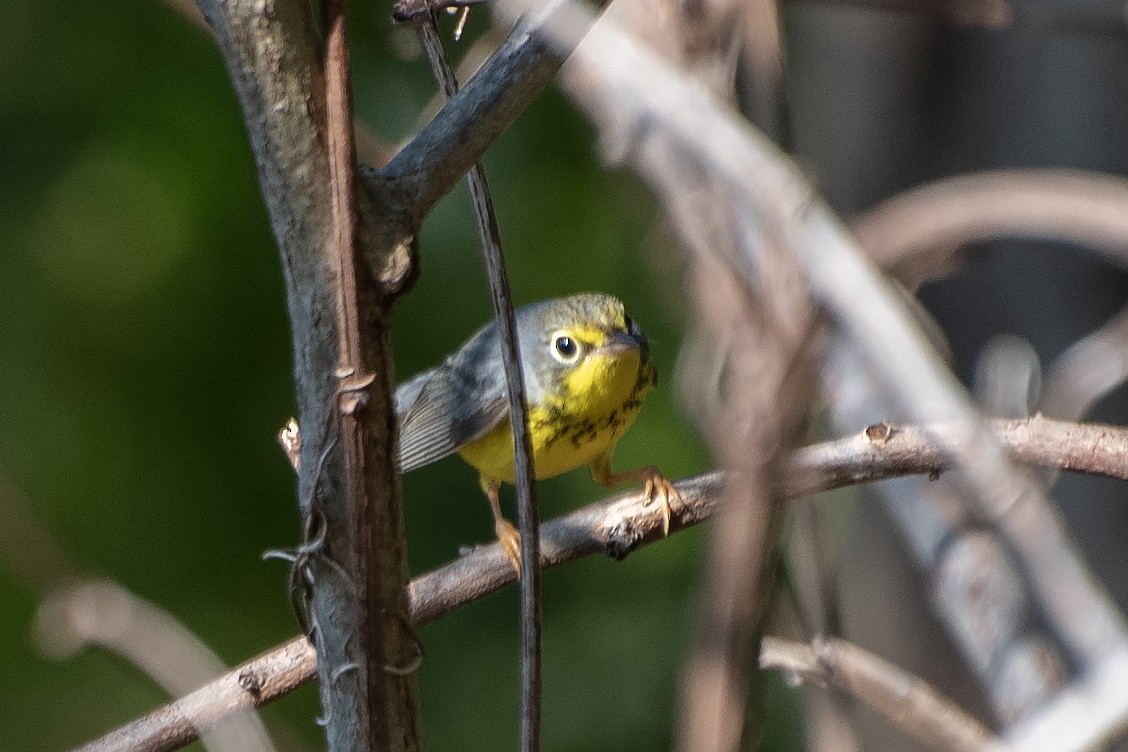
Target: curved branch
<point>916,234</point>
<point>907,701</point>
<point>102,613</point>
<point>673,128</point>
<point>271,675</point>
<point>1087,370</point>
<point>616,527</point>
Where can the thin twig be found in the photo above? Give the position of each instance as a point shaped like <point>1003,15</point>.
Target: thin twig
<point>906,700</point>
<point>260,680</point>
<point>527,518</point>
<point>102,613</point>
<point>885,450</point>
<point>617,526</point>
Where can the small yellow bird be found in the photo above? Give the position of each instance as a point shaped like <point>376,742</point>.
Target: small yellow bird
<point>587,369</point>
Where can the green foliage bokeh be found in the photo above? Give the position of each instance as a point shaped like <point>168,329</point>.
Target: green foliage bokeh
<point>145,368</point>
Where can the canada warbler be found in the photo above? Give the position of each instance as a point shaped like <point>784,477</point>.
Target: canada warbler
<point>587,369</point>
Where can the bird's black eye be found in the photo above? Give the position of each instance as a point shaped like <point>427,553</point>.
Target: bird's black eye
<point>565,348</point>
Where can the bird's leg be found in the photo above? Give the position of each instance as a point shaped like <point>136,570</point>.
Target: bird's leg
<point>654,485</point>
<point>507,535</point>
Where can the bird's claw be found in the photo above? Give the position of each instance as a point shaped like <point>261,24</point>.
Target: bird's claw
<point>510,541</point>
<point>655,487</point>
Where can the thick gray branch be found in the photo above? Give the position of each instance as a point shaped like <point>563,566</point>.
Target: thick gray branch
<point>437,157</point>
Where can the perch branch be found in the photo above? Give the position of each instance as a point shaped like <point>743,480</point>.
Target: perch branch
<point>102,613</point>
<point>617,526</point>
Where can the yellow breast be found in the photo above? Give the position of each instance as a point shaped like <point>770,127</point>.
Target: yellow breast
<point>596,405</point>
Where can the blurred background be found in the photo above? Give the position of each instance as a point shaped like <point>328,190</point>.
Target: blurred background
<point>145,367</point>
<point>145,360</point>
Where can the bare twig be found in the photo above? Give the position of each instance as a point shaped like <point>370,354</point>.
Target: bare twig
<point>78,609</point>
<point>528,519</point>
<point>904,699</point>
<point>615,526</point>
<point>674,123</point>
<point>258,681</point>
<point>104,614</point>
<point>916,234</point>
<point>885,450</point>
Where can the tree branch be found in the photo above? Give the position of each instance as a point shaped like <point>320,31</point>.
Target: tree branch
<point>382,714</point>
<point>672,126</point>
<point>916,234</point>
<point>102,613</point>
<point>1086,371</point>
<point>901,698</point>
<point>437,157</point>
<point>271,54</point>
<point>616,527</point>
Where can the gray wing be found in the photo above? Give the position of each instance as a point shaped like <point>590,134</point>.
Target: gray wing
<point>459,401</point>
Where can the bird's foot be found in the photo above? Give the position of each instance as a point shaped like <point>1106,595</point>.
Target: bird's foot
<point>510,541</point>
<point>655,487</point>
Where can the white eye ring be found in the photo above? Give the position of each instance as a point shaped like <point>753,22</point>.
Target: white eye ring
<point>564,347</point>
